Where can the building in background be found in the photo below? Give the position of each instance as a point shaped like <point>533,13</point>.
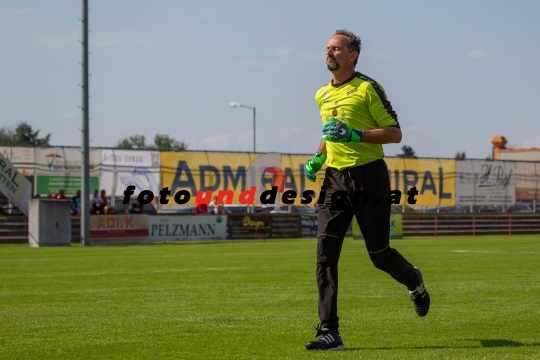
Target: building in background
<point>501,152</point>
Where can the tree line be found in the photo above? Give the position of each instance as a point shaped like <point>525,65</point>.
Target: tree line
<point>24,135</point>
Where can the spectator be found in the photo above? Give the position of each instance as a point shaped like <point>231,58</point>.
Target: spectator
<point>201,209</point>
<point>135,208</point>
<point>107,209</point>
<point>215,208</point>
<point>60,194</point>
<point>76,204</point>
<point>96,203</point>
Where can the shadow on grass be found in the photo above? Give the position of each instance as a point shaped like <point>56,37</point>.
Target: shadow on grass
<point>484,343</point>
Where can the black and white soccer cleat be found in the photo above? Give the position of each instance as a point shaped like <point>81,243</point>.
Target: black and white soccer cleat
<point>420,296</point>
<point>328,340</point>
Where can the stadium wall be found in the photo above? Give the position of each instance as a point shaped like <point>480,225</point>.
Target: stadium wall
<point>440,182</point>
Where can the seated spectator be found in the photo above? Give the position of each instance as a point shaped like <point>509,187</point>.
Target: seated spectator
<point>76,204</point>
<point>60,194</point>
<point>107,209</point>
<point>201,209</point>
<point>215,208</point>
<point>135,208</point>
<point>96,203</point>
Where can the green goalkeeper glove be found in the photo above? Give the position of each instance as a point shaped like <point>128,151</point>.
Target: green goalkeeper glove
<point>313,165</point>
<point>337,131</point>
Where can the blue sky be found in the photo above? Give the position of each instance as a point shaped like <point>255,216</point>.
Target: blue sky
<point>457,72</point>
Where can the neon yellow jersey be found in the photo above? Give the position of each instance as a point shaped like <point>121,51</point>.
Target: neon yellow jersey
<point>361,103</point>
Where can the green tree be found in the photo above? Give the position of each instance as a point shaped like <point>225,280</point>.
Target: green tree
<point>161,142</point>
<point>460,156</point>
<point>23,135</point>
<point>132,142</point>
<point>408,152</point>
<point>164,142</point>
<point>6,136</point>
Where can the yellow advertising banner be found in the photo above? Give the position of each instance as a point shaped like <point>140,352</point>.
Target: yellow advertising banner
<point>433,179</point>
<point>208,171</point>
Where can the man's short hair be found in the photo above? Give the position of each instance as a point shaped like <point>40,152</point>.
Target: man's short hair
<point>353,42</point>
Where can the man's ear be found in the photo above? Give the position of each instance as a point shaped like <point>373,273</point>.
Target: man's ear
<point>354,57</point>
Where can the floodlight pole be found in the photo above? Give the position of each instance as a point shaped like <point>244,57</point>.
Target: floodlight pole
<point>85,153</point>
<point>235,105</point>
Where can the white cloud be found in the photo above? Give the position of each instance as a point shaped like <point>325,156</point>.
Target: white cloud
<point>14,11</point>
<point>476,54</point>
<point>282,57</point>
<point>531,143</point>
<point>121,38</point>
<point>293,132</point>
<point>220,141</point>
<point>283,52</point>
<point>411,130</point>
<point>245,137</point>
<point>376,55</point>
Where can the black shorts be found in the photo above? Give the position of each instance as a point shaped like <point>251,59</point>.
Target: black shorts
<point>360,191</point>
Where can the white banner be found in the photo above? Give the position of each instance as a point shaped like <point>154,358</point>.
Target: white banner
<point>528,181</point>
<point>122,168</point>
<point>485,183</point>
<point>115,181</point>
<point>64,161</point>
<point>178,227</point>
<point>130,158</point>
<point>21,157</point>
<point>14,185</point>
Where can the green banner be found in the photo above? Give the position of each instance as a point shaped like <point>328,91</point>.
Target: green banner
<point>396,227</point>
<point>46,184</point>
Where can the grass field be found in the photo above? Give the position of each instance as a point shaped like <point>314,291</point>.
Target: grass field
<point>258,300</point>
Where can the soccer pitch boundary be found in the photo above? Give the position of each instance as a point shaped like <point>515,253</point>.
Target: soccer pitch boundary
<point>258,300</point>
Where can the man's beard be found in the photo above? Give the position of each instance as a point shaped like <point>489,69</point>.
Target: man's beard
<point>333,65</point>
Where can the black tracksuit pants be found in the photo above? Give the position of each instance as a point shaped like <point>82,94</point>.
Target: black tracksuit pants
<point>342,201</point>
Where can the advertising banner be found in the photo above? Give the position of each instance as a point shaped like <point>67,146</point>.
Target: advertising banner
<point>122,168</point>
<point>21,157</point>
<point>527,181</point>
<point>63,161</point>
<point>249,227</point>
<point>197,227</point>
<point>396,227</point>
<point>264,226</point>
<point>14,185</point>
<point>193,171</point>
<point>485,183</point>
<point>309,225</point>
<point>50,185</point>
<point>119,229</point>
<point>433,179</point>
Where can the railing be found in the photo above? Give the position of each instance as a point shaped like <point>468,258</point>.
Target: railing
<point>470,224</point>
<point>14,229</point>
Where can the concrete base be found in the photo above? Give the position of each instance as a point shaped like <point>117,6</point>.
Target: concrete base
<point>49,222</point>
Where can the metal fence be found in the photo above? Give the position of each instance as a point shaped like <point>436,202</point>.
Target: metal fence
<point>14,229</point>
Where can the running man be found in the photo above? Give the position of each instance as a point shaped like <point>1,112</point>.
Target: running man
<point>357,119</point>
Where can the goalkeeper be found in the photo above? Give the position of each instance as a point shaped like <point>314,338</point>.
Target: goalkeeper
<point>357,119</point>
